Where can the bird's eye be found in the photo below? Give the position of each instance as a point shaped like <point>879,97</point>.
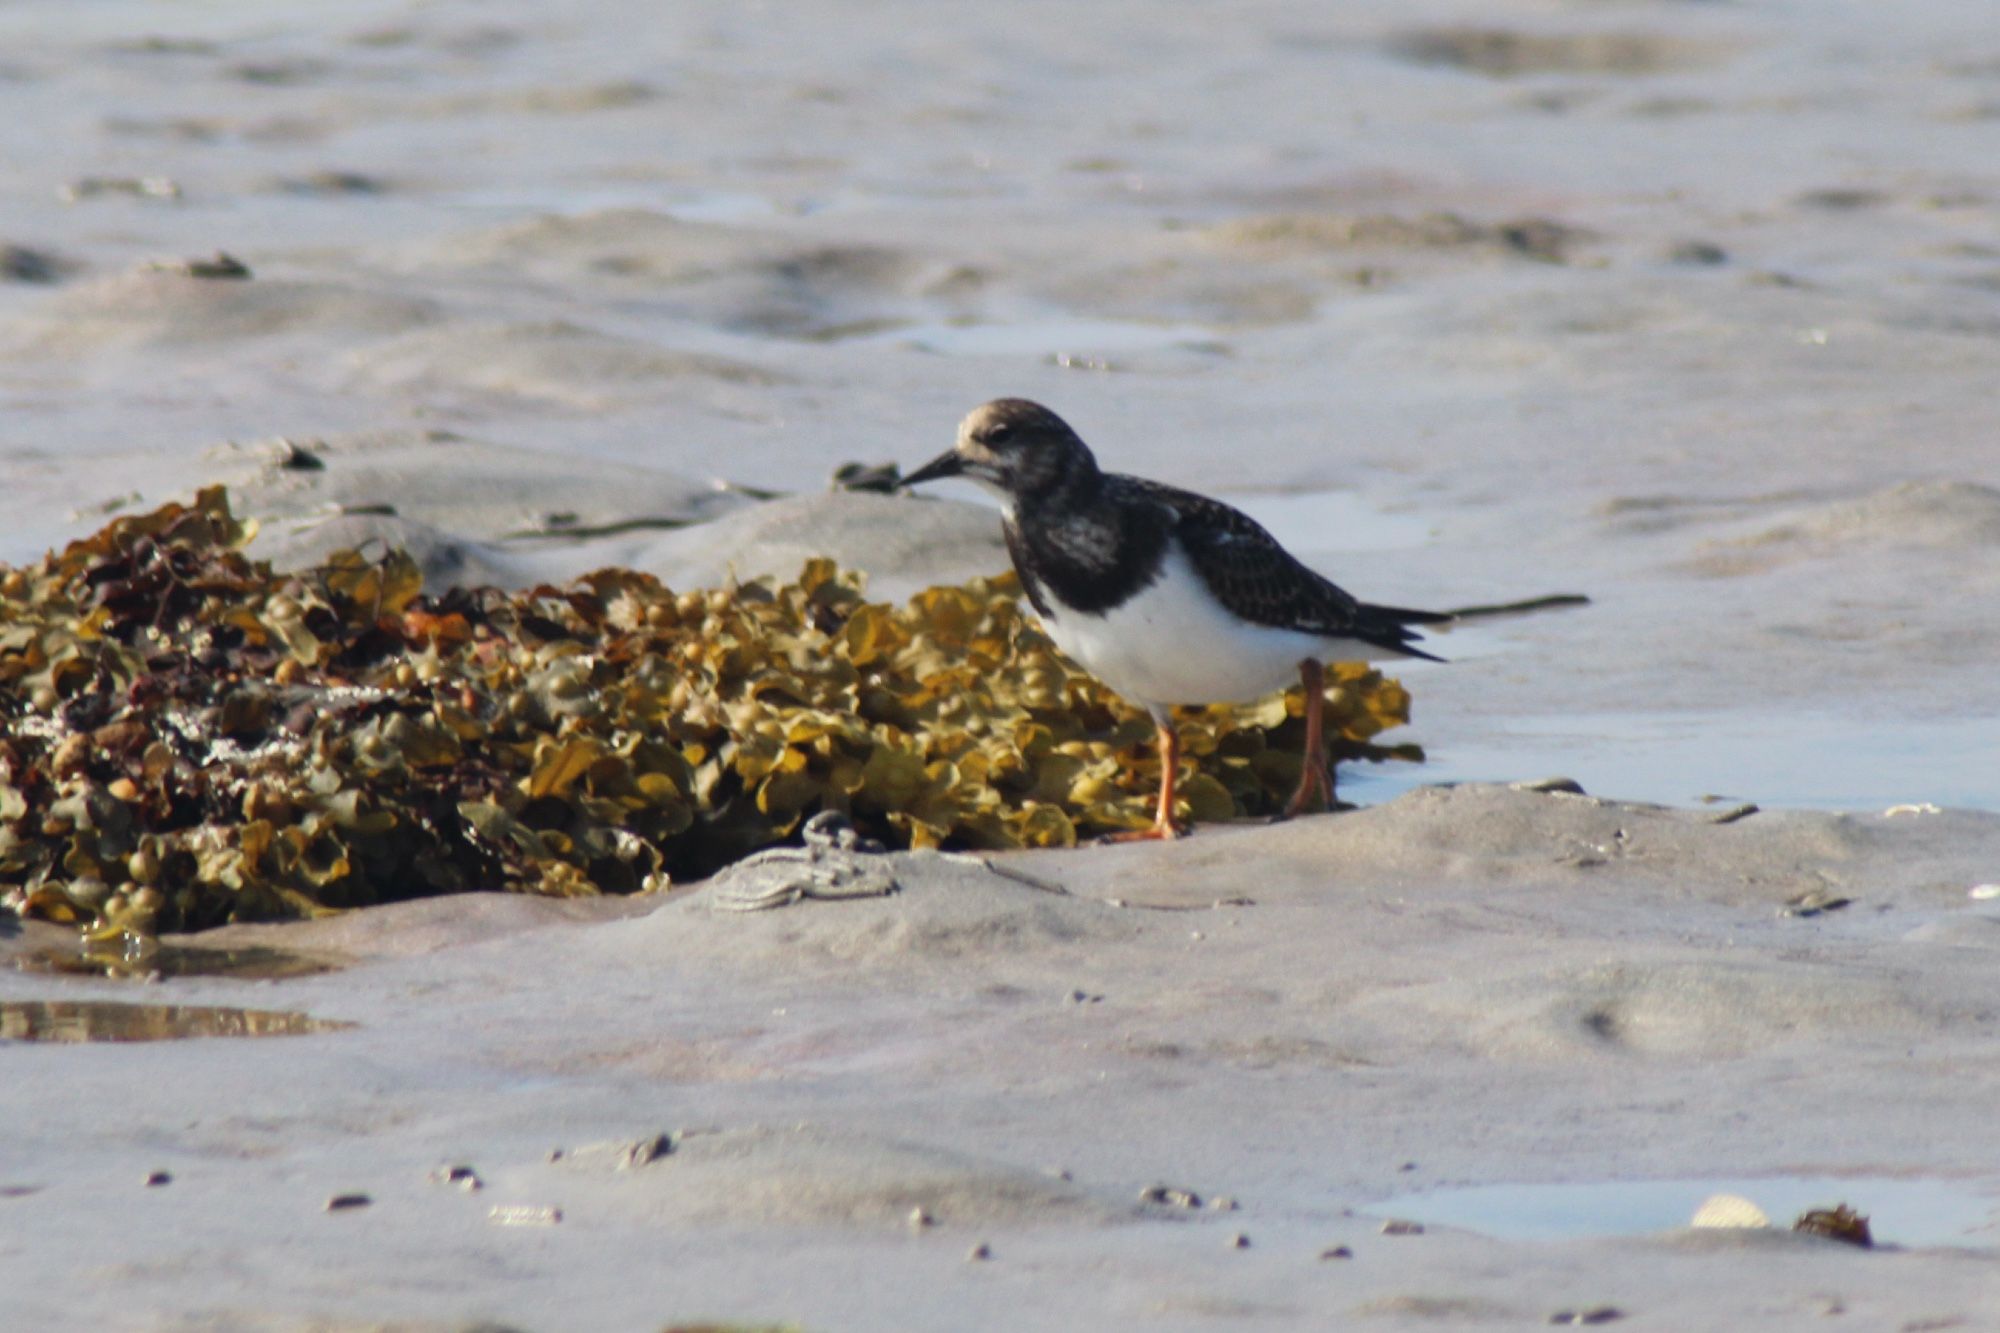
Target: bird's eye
<point>999,434</point>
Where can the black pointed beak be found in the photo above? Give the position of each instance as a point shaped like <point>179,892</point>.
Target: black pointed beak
<point>946,464</point>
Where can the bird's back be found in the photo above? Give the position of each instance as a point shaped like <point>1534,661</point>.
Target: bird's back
<point>1255,577</point>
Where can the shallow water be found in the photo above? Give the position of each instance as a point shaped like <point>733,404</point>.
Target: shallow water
<point>1899,1211</point>
<point>1781,760</point>
<point>153,960</point>
<point>69,1021</point>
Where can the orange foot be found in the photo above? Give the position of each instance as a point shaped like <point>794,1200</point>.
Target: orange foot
<point>1151,833</point>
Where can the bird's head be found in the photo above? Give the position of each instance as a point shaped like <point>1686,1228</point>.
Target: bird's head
<point>1012,446</point>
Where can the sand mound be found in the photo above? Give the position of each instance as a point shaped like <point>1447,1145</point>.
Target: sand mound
<point>1474,833</point>
<point>446,561</point>
<point>901,546</point>
<point>1670,1007</point>
<point>630,244</point>
<point>946,909</point>
<point>1507,53</point>
<point>805,1173</point>
<point>159,310</point>
<point>554,363</point>
<point>742,279</point>
<point>1945,514</point>
<point>467,488</point>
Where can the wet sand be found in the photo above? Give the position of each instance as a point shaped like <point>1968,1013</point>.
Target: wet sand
<point>1689,308</point>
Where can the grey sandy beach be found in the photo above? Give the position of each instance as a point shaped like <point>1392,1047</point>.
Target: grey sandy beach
<point>1690,307</point>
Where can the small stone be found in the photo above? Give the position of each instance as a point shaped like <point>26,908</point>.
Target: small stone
<point>919,1219</point>
<point>1336,1252</point>
<point>1547,786</point>
<point>1705,253</point>
<point>20,264</point>
<point>1239,1241</point>
<point>979,1253</point>
<point>218,265</point>
<point>1222,1203</point>
<point>1398,1227</point>
<point>1983,892</point>
<point>341,1203</point>
<point>124,789</point>
<point>644,1152</point>
<point>295,457</point>
<point>462,1176</point>
<point>1169,1196</point>
<point>523,1215</point>
<point>1815,902</point>
<point>1597,1314</point>
<point>155,1179</point>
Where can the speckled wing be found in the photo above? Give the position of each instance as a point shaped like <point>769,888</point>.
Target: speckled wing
<point>1259,580</point>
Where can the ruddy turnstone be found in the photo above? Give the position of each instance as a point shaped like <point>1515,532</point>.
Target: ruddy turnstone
<point>1166,596</point>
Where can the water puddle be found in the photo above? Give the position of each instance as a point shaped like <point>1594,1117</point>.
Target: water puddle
<point>1899,1211</point>
<point>115,1020</point>
<point>164,961</point>
<point>1777,760</point>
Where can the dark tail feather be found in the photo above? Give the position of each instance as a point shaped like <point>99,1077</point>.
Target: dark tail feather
<point>1403,615</point>
<point>1389,627</point>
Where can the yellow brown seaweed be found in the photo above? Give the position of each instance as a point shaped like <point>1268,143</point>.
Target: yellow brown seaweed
<point>188,737</point>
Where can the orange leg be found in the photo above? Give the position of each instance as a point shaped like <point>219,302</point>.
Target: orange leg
<point>1163,828</point>
<point>1318,774</point>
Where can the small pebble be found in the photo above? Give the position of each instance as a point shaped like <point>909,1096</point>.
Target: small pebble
<point>1705,253</point>
<point>1222,1203</point>
<point>340,1203</point>
<point>919,1219</point>
<point>1169,1196</point>
<point>523,1215</point>
<point>155,1179</point>
<point>979,1252</point>
<point>462,1176</point>
<point>1599,1314</point>
<point>1337,1252</point>
<point>1239,1241</point>
<point>1983,892</point>
<point>1397,1227</point>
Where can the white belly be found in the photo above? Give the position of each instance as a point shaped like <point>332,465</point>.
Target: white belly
<point>1174,644</point>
